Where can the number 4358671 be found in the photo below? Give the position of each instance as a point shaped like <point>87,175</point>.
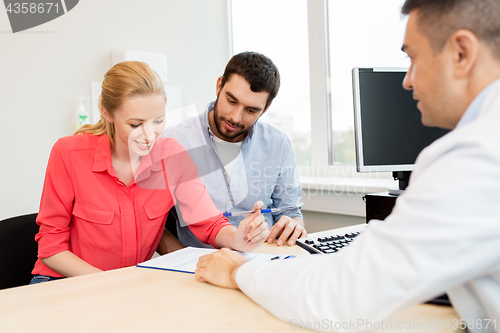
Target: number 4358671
<point>27,7</point>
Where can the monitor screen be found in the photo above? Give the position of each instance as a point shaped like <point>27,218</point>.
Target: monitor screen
<point>389,133</point>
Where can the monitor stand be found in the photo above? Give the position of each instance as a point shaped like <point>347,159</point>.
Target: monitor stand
<point>404,179</point>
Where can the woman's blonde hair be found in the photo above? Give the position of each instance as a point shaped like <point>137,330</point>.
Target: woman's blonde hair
<point>124,80</point>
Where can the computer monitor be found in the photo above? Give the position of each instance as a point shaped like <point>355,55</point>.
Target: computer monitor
<point>389,133</point>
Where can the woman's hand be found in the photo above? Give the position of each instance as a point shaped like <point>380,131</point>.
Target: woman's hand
<point>250,234</point>
<point>252,231</point>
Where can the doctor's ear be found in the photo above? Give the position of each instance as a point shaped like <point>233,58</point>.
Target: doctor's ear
<point>465,47</point>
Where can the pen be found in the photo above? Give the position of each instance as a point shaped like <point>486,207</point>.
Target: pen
<point>279,257</point>
<point>273,210</point>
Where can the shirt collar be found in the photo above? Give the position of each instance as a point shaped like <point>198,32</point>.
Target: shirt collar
<point>473,109</point>
<point>102,157</point>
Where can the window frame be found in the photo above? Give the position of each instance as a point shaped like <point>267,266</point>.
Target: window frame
<point>322,148</point>
<point>322,144</point>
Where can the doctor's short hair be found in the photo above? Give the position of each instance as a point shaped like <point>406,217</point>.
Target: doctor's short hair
<point>258,70</point>
<point>440,19</point>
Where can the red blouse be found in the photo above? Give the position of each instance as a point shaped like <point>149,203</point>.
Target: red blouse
<point>87,210</point>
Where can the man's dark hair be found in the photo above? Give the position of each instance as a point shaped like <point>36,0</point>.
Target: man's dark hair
<point>258,70</point>
<point>440,19</point>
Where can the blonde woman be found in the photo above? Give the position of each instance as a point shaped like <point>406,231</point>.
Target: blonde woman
<point>108,188</point>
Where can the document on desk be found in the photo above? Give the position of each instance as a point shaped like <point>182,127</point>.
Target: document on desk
<point>185,260</point>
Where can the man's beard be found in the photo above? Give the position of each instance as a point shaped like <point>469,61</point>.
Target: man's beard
<point>219,124</point>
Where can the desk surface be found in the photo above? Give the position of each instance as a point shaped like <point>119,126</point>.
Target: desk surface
<point>146,300</point>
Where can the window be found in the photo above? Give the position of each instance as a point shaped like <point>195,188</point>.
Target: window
<point>278,29</point>
<point>361,33</point>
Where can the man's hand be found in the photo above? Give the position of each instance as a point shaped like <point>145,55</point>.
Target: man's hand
<point>168,243</point>
<point>219,268</point>
<point>287,228</point>
<point>252,231</point>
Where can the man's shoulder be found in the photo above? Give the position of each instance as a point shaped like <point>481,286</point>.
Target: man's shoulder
<point>186,130</point>
<point>266,131</point>
<point>263,128</point>
<point>472,141</point>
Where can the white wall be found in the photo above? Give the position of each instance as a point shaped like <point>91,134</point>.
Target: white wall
<point>45,69</point>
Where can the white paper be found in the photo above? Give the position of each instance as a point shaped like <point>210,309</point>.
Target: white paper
<point>185,260</point>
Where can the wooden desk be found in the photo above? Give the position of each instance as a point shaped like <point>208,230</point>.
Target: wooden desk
<point>147,300</point>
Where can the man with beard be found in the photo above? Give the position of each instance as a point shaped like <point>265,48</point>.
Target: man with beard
<point>239,159</point>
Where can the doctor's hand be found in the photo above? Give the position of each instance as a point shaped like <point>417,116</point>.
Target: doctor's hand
<point>219,268</point>
<point>287,228</point>
<point>252,231</point>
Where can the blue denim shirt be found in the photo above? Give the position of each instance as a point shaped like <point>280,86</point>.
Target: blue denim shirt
<point>264,170</point>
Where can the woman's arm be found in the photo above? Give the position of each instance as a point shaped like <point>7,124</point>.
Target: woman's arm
<point>56,212</point>
<point>68,264</point>
<point>54,217</point>
<point>251,232</point>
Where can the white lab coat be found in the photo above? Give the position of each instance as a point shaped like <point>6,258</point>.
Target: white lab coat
<point>443,235</point>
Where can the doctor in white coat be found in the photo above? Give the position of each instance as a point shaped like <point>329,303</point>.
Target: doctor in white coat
<point>444,232</point>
